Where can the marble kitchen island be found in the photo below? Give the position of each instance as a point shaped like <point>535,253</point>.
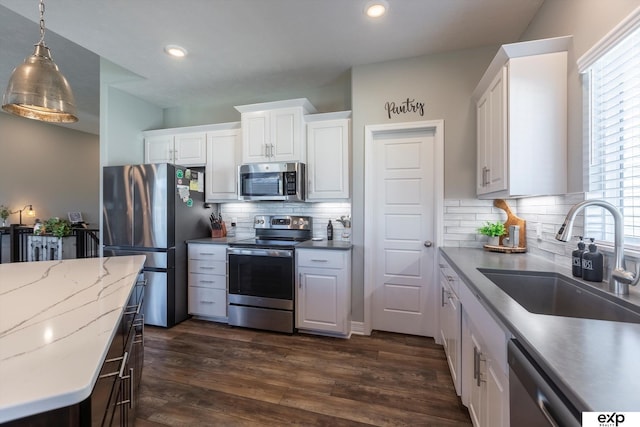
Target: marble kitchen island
<point>57,322</point>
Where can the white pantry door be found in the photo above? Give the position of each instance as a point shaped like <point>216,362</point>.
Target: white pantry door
<point>403,193</point>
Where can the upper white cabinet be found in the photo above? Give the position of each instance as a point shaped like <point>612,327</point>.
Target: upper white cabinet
<point>328,146</point>
<point>223,156</point>
<point>521,105</point>
<point>274,131</point>
<point>173,146</point>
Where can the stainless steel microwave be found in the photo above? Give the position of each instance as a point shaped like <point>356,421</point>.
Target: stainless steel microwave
<point>272,181</point>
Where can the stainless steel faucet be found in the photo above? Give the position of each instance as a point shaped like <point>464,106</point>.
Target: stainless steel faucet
<point>620,278</point>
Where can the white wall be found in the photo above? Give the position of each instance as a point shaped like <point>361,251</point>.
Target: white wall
<point>51,167</point>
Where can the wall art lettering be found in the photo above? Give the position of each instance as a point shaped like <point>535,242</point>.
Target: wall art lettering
<point>404,107</point>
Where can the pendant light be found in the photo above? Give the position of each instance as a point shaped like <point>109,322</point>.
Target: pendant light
<point>37,90</point>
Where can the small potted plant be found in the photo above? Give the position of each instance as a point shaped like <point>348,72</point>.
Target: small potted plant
<point>57,227</point>
<point>493,231</point>
<point>4,214</point>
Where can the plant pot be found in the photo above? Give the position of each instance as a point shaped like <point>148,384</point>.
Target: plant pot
<point>493,240</point>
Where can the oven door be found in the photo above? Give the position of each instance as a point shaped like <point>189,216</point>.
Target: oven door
<point>261,277</point>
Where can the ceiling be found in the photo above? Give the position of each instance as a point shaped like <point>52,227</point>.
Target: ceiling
<point>241,50</point>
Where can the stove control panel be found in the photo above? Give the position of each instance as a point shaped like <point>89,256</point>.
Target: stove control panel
<point>283,222</point>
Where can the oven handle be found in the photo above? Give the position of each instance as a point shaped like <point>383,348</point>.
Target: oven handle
<point>282,253</point>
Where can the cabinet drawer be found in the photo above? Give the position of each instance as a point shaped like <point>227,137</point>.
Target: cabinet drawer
<point>213,281</point>
<point>208,252</point>
<point>207,267</point>
<point>207,302</point>
<point>321,258</point>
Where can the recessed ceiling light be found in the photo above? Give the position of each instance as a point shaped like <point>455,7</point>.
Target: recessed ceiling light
<point>175,50</point>
<point>376,8</point>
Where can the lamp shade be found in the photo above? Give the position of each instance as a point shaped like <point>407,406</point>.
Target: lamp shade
<point>37,90</point>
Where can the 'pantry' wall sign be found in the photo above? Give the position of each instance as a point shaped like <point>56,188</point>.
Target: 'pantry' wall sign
<point>404,107</point>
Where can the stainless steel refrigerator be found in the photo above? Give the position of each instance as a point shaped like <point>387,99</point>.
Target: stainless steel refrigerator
<point>152,210</point>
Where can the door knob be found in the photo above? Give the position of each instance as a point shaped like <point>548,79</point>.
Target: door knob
<point>428,243</point>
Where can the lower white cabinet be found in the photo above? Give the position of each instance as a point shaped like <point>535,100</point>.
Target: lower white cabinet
<point>207,280</point>
<point>323,291</point>
<point>450,321</point>
<point>485,380</point>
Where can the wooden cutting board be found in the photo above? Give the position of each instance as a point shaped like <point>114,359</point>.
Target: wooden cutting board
<point>512,219</point>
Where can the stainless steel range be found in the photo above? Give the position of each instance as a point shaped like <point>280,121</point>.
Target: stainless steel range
<point>261,276</point>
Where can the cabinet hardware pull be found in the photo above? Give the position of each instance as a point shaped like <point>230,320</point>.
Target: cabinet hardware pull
<point>488,176</point>
<point>114,373</point>
<point>319,260</point>
<point>300,280</point>
<point>207,253</point>
<point>475,363</point>
<point>450,278</point>
<point>207,302</point>
<point>480,378</point>
<point>131,388</point>
<point>207,268</point>
<point>442,303</point>
<point>207,281</point>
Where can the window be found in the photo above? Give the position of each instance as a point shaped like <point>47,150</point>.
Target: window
<point>612,91</point>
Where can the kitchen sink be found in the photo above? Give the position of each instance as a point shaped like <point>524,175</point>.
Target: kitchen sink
<point>558,295</point>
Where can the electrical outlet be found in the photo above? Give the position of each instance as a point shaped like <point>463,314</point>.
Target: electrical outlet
<point>539,231</point>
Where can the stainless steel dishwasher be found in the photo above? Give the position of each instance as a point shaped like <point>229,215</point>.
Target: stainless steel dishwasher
<point>534,401</point>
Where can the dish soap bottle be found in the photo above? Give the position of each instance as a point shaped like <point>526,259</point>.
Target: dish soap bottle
<point>592,264</point>
<point>576,259</point>
<point>329,231</point>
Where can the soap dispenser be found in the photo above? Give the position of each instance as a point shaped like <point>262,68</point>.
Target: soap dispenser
<point>593,264</point>
<point>576,259</point>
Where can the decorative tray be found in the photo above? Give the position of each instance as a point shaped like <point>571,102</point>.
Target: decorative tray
<point>505,249</point>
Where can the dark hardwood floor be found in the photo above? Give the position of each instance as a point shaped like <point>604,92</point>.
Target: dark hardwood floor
<point>208,374</point>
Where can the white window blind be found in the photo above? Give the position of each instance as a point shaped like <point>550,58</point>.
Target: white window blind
<point>613,93</point>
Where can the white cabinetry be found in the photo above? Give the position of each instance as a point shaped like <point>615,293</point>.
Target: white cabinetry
<point>323,291</point>
<point>328,147</point>
<point>168,146</point>
<point>207,280</point>
<point>450,321</point>
<point>521,106</point>
<point>223,157</point>
<point>485,380</point>
<point>274,131</point>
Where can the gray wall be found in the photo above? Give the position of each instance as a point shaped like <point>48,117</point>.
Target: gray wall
<point>588,21</point>
<point>51,167</point>
<point>334,96</point>
<point>444,82</point>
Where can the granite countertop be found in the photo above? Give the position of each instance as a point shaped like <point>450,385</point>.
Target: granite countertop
<point>596,363</point>
<point>57,320</point>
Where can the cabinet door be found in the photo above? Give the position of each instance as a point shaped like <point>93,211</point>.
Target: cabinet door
<point>158,149</point>
<point>286,137</point>
<point>477,394</point>
<point>497,408</point>
<point>255,134</point>
<point>319,300</point>
<point>223,157</point>
<point>190,149</point>
<point>491,111</point>
<point>497,145</point>
<point>328,160</point>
